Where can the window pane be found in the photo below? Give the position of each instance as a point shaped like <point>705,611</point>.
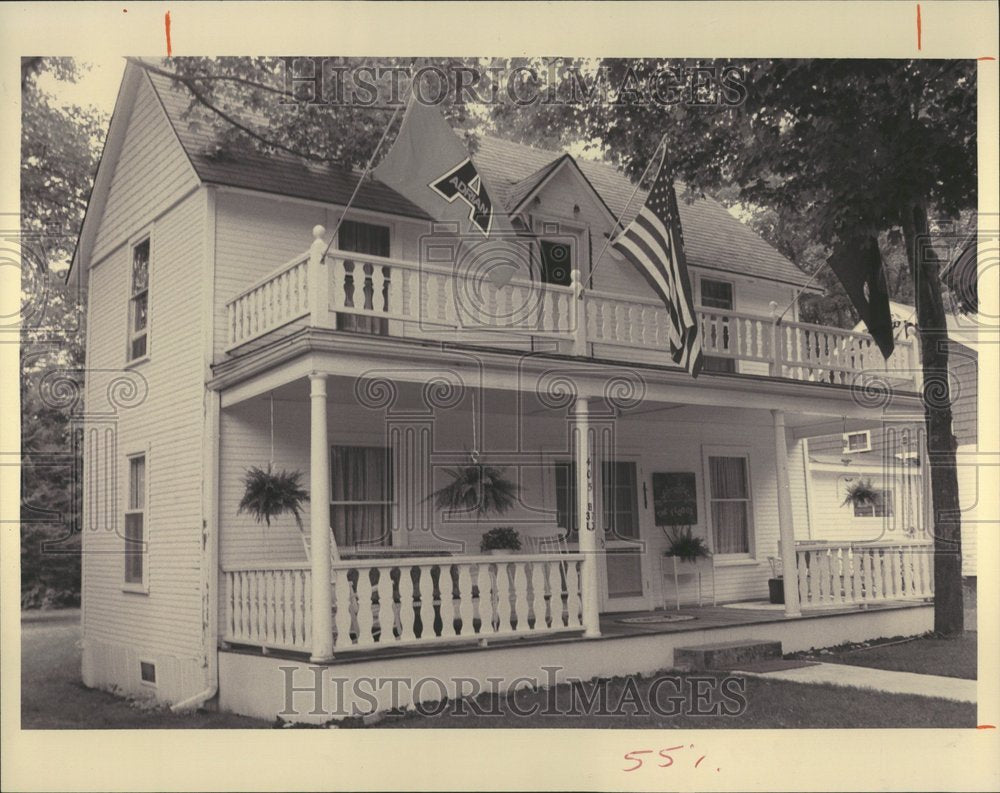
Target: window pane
<point>716,294</point>
<point>363,238</point>
<point>133,548</point>
<point>621,506</point>
<point>565,476</point>
<point>137,483</point>
<point>728,477</point>
<point>361,473</point>
<point>140,310</point>
<point>361,525</point>
<point>140,267</point>
<point>729,522</point>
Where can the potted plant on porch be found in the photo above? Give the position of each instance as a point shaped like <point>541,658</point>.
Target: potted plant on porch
<point>483,490</point>
<point>685,546</point>
<point>776,583</point>
<point>500,539</point>
<point>861,493</point>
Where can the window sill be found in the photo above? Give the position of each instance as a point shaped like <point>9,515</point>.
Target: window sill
<point>740,562</point>
<point>135,362</point>
<point>136,589</point>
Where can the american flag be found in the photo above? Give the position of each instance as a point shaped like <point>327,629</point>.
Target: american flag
<point>654,244</point>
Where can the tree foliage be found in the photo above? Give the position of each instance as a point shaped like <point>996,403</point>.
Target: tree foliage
<point>59,153</point>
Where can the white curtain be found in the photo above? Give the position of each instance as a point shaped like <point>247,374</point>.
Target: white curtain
<point>730,504</point>
<point>362,484</point>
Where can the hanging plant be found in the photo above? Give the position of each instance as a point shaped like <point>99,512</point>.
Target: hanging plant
<point>482,489</point>
<point>268,494</point>
<point>861,493</point>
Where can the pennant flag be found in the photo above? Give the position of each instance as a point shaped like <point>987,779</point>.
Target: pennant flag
<point>654,244</point>
<point>430,165</point>
<point>857,263</point>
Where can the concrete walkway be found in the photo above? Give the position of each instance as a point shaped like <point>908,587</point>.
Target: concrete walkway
<point>878,679</point>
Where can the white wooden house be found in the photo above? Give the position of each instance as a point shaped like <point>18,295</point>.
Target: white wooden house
<point>892,458</point>
<point>222,335</point>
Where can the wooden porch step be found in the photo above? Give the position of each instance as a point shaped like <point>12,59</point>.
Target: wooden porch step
<point>725,655</point>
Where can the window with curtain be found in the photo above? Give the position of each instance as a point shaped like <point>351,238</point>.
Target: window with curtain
<point>363,238</point>
<point>361,496</point>
<point>729,495</point>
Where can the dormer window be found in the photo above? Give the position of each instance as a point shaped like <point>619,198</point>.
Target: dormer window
<point>138,304</point>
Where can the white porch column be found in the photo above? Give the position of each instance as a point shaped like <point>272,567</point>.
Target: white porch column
<point>786,526</point>
<point>319,522</point>
<point>585,518</point>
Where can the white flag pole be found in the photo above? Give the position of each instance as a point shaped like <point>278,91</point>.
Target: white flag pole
<point>618,220</point>
<point>367,170</point>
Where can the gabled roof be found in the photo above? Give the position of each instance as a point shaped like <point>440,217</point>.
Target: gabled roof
<point>714,239</point>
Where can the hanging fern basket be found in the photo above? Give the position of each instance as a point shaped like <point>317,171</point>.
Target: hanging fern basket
<point>268,494</point>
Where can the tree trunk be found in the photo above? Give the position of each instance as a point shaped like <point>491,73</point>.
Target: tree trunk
<point>933,334</point>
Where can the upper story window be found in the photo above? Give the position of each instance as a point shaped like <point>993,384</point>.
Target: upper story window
<point>373,239</point>
<point>858,442</point>
<point>557,262</point>
<point>719,295</point>
<point>135,520</point>
<point>138,303</point>
<point>716,294</point>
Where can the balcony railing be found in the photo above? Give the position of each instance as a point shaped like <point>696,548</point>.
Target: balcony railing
<point>419,601</point>
<point>433,301</point>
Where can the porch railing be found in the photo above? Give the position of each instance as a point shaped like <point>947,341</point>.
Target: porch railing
<point>430,298</point>
<point>417,601</point>
<point>861,573</point>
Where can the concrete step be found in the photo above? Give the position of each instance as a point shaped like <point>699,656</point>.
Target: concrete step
<point>725,655</point>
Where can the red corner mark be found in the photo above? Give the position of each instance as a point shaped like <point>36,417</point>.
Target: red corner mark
<point>986,727</point>
<point>919,42</point>
<point>166,25</point>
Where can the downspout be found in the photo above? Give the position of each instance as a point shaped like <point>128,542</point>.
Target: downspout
<point>210,479</point>
<point>210,562</point>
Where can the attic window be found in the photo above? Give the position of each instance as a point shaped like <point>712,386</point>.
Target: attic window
<point>138,304</point>
<point>857,442</point>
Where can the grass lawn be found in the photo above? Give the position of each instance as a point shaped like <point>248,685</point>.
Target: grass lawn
<point>54,698</point>
<point>928,655</point>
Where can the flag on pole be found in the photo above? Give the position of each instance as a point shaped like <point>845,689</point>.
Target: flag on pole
<point>431,166</point>
<point>857,263</point>
<point>654,244</point>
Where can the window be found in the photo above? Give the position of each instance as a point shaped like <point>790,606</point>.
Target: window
<point>621,506</point>
<point>881,508</point>
<point>361,495</point>
<point>135,520</point>
<point>557,262</point>
<point>368,238</point>
<point>147,672</point>
<point>718,295</point>
<point>138,304</point>
<point>620,501</point>
<point>729,497</point>
<point>565,478</point>
<point>858,442</point>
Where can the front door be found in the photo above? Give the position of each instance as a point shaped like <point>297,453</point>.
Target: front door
<point>624,579</point>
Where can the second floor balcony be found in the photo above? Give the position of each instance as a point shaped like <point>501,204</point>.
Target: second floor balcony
<point>353,292</point>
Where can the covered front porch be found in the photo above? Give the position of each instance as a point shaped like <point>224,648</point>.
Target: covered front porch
<point>579,441</point>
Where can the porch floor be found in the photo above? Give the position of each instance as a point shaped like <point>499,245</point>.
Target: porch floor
<point>619,625</point>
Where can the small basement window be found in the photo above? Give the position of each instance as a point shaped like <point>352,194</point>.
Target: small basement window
<point>147,672</point>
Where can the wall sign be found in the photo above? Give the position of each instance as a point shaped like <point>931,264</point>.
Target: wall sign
<point>675,498</point>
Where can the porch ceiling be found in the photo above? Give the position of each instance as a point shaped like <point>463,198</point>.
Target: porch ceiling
<point>545,380</point>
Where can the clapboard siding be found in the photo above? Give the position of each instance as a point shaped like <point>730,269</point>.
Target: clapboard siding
<point>835,521</point>
<point>164,417</point>
<point>151,173</point>
<point>964,368</point>
<point>654,442</point>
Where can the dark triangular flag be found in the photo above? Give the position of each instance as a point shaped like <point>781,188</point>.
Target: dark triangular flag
<point>857,262</point>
